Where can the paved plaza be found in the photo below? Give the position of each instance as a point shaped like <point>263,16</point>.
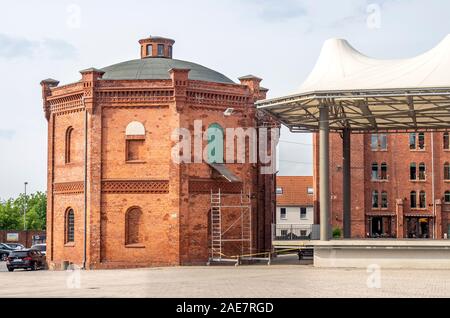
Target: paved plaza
<point>257,281</point>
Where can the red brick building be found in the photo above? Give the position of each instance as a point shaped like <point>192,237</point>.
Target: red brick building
<point>142,208</point>
<point>400,184</point>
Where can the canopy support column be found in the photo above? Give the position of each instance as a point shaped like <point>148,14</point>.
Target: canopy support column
<point>324,173</point>
<point>346,182</point>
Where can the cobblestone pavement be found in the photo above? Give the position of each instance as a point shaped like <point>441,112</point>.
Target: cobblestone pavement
<point>260,281</point>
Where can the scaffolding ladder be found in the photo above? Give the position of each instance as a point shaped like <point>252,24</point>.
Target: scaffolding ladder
<point>218,231</point>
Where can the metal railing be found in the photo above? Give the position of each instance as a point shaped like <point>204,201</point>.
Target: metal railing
<point>295,232</point>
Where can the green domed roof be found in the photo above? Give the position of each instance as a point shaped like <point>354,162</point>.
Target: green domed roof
<point>158,69</point>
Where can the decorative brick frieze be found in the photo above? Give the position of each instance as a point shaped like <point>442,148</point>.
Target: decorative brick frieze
<point>136,186</point>
<point>68,188</point>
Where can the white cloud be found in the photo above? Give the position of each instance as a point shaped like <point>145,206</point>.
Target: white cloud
<point>18,47</point>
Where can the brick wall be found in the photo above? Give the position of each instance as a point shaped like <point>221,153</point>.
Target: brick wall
<point>398,158</point>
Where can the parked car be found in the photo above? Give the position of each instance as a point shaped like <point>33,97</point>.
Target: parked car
<point>25,259</point>
<point>40,247</point>
<point>15,246</point>
<point>5,250</point>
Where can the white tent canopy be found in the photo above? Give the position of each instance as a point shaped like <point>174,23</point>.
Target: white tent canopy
<point>342,67</point>
<point>367,94</point>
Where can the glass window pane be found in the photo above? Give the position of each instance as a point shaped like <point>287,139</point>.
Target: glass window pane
<point>413,171</point>
<point>413,200</point>
<point>375,171</point>
<point>422,200</point>
<point>447,197</point>
<point>384,170</point>
<point>374,142</point>
<point>375,199</point>
<point>446,141</point>
<point>383,141</point>
<point>149,50</point>
<point>421,141</point>
<point>384,200</point>
<point>422,170</point>
<point>160,49</point>
<point>412,141</point>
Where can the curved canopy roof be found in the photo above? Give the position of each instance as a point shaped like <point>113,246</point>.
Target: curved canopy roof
<point>367,94</point>
<point>342,67</point>
<point>158,68</point>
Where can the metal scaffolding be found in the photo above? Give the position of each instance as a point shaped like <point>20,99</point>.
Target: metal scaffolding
<point>220,232</point>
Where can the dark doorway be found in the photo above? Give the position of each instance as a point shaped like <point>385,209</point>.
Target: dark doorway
<point>418,228</point>
<point>377,227</point>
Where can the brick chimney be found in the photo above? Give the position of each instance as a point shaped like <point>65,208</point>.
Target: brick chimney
<point>156,46</point>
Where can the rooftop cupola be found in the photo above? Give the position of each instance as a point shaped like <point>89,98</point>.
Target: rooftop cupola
<point>156,46</point>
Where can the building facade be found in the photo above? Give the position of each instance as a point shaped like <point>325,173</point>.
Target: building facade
<point>116,196</point>
<point>400,184</point>
<point>295,207</point>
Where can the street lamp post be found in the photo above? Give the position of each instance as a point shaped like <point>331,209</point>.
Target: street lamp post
<point>25,208</point>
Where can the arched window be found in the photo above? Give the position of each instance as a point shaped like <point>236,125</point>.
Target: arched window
<point>133,226</point>
<point>422,171</point>
<point>446,141</point>
<point>413,171</point>
<point>149,50</point>
<point>384,171</point>
<point>421,138</point>
<point>413,199</point>
<point>375,175</point>
<point>384,200</point>
<point>215,143</point>
<point>447,171</point>
<point>375,203</point>
<point>423,200</point>
<point>69,148</point>
<point>447,197</point>
<point>135,142</point>
<point>70,226</point>
<point>417,141</point>
<point>412,141</point>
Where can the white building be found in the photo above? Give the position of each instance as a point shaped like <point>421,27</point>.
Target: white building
<point>295,208</point>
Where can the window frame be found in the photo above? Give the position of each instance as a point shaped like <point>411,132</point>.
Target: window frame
<point>446,141</point>
<point>375,172</point>
<point>149,50</point>
<point>68,158</point>
<point>384,200</point>
<point>281,213</point>
<point>447,196</point>
<point>384,171</point>
<point>379,142</point>
<point>447,171</point>
<point>422,203</point>
<point>413,203</point>
<point>413,175</point>
<point>303,216</point>
<point>422,176</point>
<point>160,53</point>
<point>375,199</point>
<point>69,226</point>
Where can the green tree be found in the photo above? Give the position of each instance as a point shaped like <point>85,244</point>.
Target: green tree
<point>11,212</point>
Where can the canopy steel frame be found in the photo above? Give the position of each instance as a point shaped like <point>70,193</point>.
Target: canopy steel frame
<point>360,112</point>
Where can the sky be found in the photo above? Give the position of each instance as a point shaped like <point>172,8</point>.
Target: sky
<point>278,41</point>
